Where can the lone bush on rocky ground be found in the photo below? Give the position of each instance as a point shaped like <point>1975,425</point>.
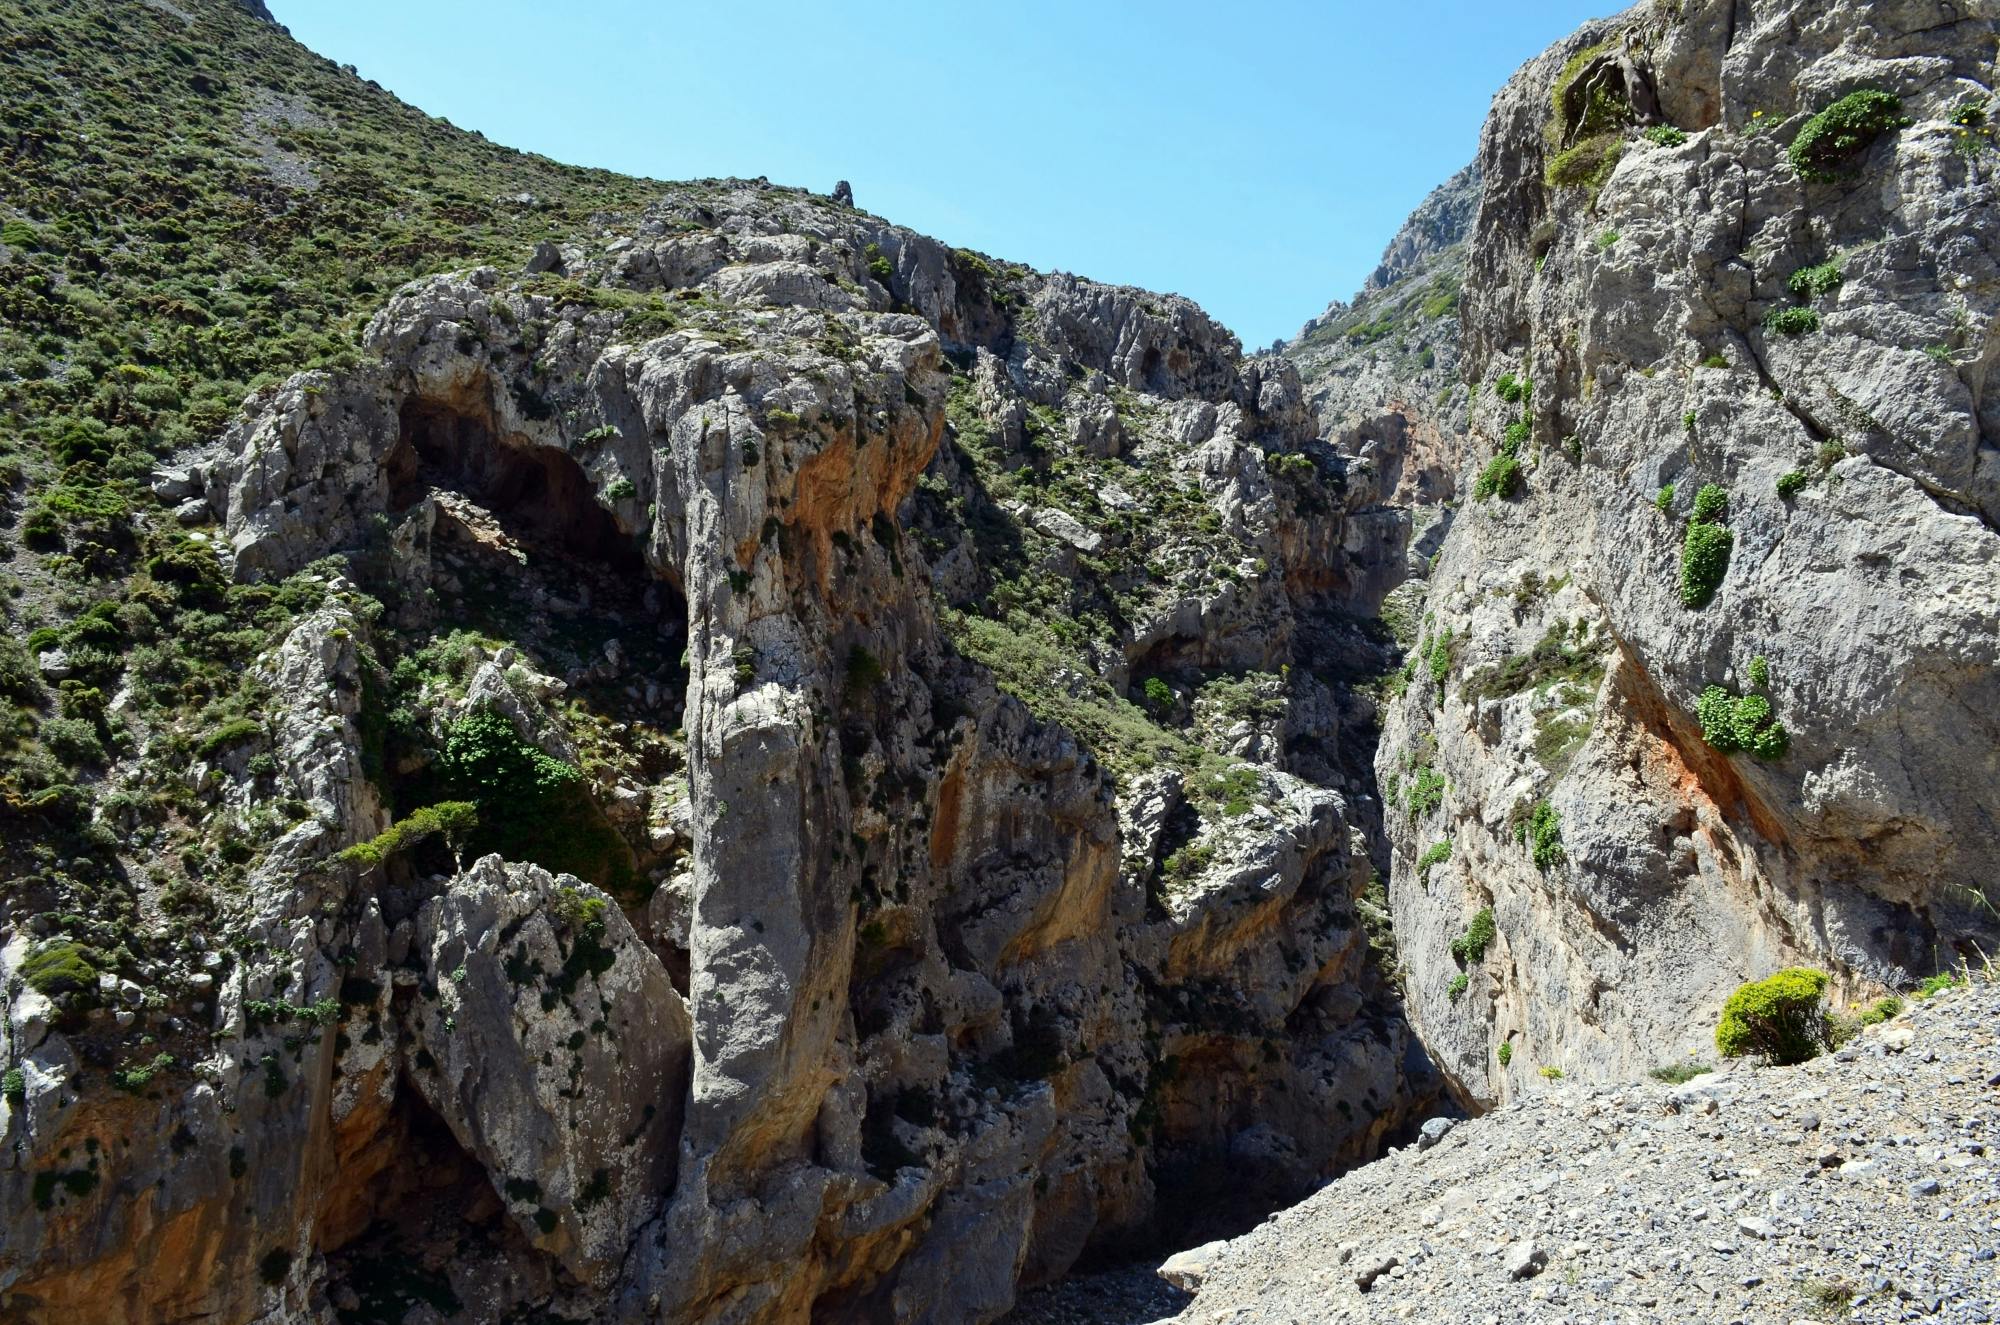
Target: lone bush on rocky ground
<point>1813,282</point>
<point>1781,1018</point>
<point>1675,1074</point>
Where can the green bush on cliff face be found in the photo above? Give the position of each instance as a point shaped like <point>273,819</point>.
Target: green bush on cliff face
<point>1705,547</point>
<point>1543,834</point>
<point>61,967</point>
<point>1436,855</point>
<point>531,806</point>
<point>1426,791</point>
<point>1479,934</point>
<point>1791,321</point>
<point>1816,282</point>
<point>1733,723</point>
<point>1587,165</point>
<point>1711,502</point>
<point>1500,478</point>
<point>1781,1018</point>
<point>1834,138</point>
<point>455,820</point>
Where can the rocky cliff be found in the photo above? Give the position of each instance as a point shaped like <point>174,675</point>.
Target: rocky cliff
<point>1705,679</point>
<point>591,749</point>
<point>777,770</point>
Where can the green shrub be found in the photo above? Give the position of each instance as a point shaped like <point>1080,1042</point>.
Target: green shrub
<point>1791,321</point>
<point>1587,165</point>
<point>1760,672</point>
<point>1543,833</point>
<point>484,753</point>
<point>1663,500</point>
<point>1711,502</point>
<point>1436,855</point>
<point>1500,478</point>
<point>1159,695</point>
<point>1815,282</point>
<point>1426,791</point>
<point>1666,135</point>
<point>456,820</point>
<point>134,1080</point>
<point>228,734</point>
<point>1550,1073</point>
<point>1675,1074</point>
<point>1704,561</point>
<point>1832,139</point>
<point>1456,989</point>
<point>878,264</point>
<point>61,967</point>
<point>14,1085</point>
<point>17,233</point>
<point>1506,1052</point>
<point>1731,723</point>
<point>1715,361</point>
<point>1514,390</point>
<point>1881,1010</point>
<point>1940,982</point>
<point>73,741</point>
<point>620,489</point>
<point>1437,659</point>
<point>864,672</point>
<point>1478,936</point>
<point>20,679</point>
<point>1782,1018</point>
<point>1792,482</point>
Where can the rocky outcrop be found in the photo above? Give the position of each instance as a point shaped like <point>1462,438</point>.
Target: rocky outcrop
<point>842,941</point>
<point>1382,371</point>
<point>1677,716</point>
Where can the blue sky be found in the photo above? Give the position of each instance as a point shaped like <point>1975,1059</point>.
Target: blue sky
<point>1255,157</point>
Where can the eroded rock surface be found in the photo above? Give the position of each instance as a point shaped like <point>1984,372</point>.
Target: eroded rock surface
<point>1636,331</point>
<point>898,944</point>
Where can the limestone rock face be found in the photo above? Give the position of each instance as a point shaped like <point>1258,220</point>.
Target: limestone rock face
<point>1639,850</point>
<point>889,946</point>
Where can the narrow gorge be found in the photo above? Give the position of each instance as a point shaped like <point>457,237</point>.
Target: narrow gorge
<point>592,749</point>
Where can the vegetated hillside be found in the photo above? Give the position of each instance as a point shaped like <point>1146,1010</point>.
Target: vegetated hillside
<point>712,757</point>
<point>1706,680</point>
<point>191,205</point>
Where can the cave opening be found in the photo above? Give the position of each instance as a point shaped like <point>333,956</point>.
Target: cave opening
<point>538,494</point>
<point>500,549</point>
<point>414,1222</point>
